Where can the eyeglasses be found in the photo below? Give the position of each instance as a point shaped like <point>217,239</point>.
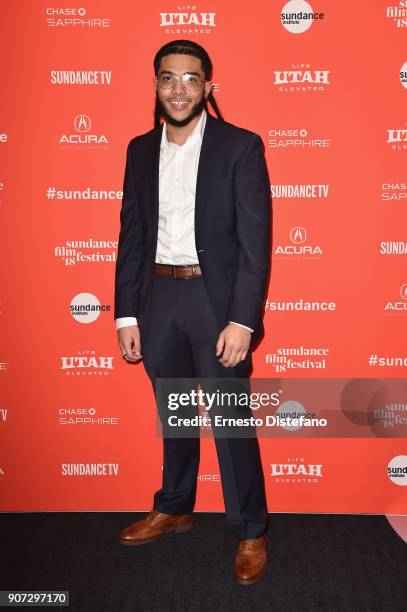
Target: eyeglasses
<point>166,80</point>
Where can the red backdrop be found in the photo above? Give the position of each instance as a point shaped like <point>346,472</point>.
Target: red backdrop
<point>329,100</point>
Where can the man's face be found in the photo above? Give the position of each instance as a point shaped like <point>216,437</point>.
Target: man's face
<point>179,105</point>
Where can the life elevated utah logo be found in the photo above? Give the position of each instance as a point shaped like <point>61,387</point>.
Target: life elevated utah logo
<point>301,77</point>
<point>298,246</point>
<point>187,21</point>
<point>83,134</point>
<point>295,470</point>
<point>397,138</point>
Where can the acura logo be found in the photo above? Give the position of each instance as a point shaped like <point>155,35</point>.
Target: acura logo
<point>298,235</point>
<point>82,123</point>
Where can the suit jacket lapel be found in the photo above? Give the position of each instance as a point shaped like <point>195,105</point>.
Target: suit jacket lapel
<point>207,161</point>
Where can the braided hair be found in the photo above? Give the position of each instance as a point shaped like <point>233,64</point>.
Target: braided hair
<point>186,47</point>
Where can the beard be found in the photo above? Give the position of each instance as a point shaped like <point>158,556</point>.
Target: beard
<point>196,110</point>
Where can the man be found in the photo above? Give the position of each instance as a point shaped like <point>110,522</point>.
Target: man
<point>191,274</point>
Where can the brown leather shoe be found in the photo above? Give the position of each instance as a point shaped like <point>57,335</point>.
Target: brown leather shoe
<point>251,560</point>
<point>153,526</point>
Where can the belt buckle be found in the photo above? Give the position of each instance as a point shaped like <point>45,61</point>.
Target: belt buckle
<point>173,273</point>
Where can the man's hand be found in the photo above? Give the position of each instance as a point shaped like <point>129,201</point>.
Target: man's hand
<point>235,341</point>
<point>129,342</point>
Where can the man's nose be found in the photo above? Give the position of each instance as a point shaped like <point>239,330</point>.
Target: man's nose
<point>179,86</point>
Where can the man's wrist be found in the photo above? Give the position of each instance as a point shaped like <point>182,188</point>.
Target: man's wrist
<point>125,322</point>
<point>241,325</point>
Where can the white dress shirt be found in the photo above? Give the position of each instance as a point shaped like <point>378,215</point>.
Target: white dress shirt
<point>176,217</point>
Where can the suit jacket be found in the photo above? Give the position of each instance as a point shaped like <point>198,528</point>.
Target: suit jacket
<point>232,225</point>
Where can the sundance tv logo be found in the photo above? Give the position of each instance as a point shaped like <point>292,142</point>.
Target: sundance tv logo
<point>298,16</point>
<point>83,135</point>
<point>90,469</point>
<point>81,77</point>
<point>307,191</point>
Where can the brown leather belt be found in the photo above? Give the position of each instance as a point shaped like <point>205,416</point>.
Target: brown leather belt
<point>176,272</point>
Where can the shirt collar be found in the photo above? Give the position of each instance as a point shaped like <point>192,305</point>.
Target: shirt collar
<point>198,129</point>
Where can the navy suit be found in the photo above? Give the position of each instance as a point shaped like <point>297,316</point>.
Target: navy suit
<point>180,320</point>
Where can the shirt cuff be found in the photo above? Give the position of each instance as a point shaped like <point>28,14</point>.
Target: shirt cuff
<point>240,325</point>
<point>125,322</point>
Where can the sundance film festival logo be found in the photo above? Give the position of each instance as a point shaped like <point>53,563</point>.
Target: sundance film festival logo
<point>296,138</point>
<point>87,251</point>
<point>397,139</point>
<point>187,21</point>
<point>84,416</point>
<point>394,191</point>
<point>304,192</point>
<point>392,416</point>
<point>398,14</point>
<point>80,77</point>
<point>301,78</point>
<point>69,17</point>
<point>398,306</point>
<point>89,469</point>
<point>86,308</point>
<point>298,238</point>
<point>297,16</point>
<point>298,358</point>
<point>296,471</point>
<point>86,363</point>
<point>82,125</point>
<point>397,470</point>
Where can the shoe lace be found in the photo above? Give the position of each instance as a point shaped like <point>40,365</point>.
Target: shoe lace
<point>250,544</point>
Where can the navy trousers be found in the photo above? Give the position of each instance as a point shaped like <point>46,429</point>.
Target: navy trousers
<point>180,343</point>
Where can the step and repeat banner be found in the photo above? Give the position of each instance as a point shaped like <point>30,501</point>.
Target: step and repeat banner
<point>325,85</point>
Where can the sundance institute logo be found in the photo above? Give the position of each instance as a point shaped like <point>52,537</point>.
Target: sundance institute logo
<point>298,16</point>
<point>86,308</point>
<point>397,470</point>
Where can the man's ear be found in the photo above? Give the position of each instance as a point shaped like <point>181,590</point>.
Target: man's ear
<point>208,88</point>
<point>155,84</point>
